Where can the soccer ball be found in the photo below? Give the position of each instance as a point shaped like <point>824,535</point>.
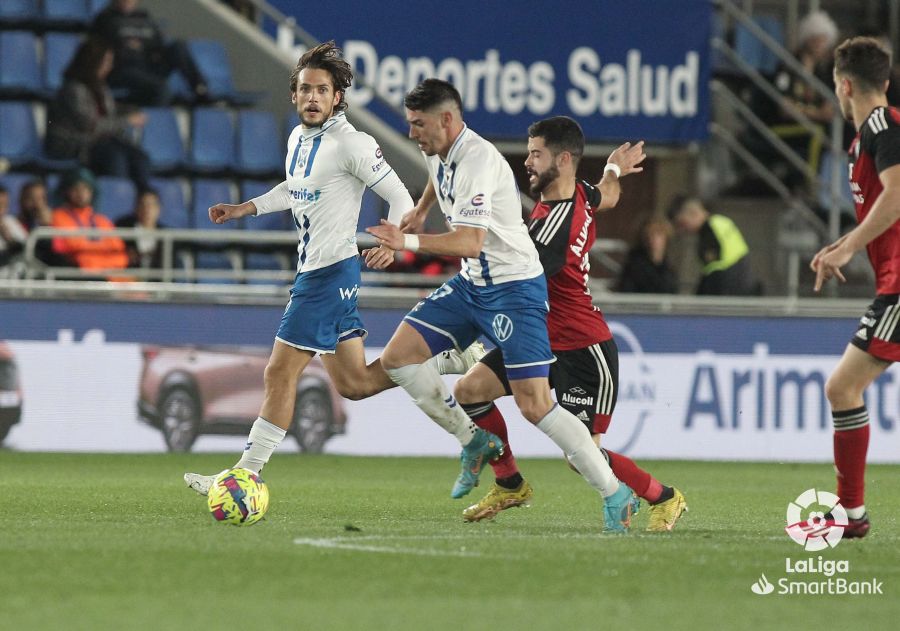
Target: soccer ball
<point>238,497</point>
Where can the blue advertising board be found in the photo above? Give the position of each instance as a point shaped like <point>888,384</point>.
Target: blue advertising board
<point>624,70</point>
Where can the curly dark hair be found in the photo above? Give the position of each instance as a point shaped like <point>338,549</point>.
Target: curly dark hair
<point>327,56</point>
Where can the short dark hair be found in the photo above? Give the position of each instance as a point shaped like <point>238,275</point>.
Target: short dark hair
<point>866,60</point>
<point>328,57</point>
<point>431,93</point>
<point>560,133</point>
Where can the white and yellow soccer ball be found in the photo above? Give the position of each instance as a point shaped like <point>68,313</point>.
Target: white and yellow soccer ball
<point>238,497</point>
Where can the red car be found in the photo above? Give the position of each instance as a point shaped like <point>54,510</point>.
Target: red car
<point>189,391</point>
<point>10,391</point>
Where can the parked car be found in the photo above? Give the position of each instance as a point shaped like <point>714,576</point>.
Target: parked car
<point>10,391</point>
<point>188,391</point>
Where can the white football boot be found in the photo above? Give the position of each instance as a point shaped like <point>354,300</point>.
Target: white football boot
<point>200,483</point>
<point>453,362</point>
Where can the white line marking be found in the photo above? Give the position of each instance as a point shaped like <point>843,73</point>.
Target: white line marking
<point>343,544</point>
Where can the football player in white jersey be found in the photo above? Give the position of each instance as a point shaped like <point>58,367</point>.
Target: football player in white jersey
<point>501,292</point>
<point>329,164</point>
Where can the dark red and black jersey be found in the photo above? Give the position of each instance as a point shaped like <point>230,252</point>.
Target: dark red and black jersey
<point>563,232</point>
<point>876,148</point>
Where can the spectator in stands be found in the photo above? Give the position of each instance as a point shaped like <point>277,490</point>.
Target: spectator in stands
<point>83,122</point>
<point>77,188</point>
<point>34,212</point>
<point>12,233</point>
<point>816,36</point>
<point>721,248</point>
<point>646,269</point>
<point>145,250</point>
<point>144,59</point>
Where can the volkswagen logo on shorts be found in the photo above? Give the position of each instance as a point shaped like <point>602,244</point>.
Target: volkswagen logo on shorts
<point>503,327</point>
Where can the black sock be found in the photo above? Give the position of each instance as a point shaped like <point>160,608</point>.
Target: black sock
<point>512,482</point>
<point>667,493</point>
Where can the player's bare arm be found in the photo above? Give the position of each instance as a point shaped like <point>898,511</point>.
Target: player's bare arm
<point>885,212</point>
<point>463,241</point>
<point>627,158</point>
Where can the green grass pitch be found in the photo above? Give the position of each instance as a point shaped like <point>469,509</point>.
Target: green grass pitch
<point>117,542</point>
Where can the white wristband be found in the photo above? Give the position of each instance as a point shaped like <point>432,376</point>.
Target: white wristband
<point>617,171</point>
<point>411,242</point>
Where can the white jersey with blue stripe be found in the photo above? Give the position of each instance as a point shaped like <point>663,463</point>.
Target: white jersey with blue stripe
<point>328,169</point>
<point>475,187</point>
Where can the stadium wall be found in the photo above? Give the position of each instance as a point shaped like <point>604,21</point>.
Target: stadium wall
<point>691,387</point>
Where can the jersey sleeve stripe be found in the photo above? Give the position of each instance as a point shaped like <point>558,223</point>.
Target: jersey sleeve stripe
<point>386,173</point>
<point>466,223</point>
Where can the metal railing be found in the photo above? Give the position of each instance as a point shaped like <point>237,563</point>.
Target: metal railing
<point>835,136</point>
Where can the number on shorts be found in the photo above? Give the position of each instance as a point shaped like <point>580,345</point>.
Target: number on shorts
<point>441,292</point>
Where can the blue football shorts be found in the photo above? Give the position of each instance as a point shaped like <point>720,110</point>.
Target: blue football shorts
<point>323,309</point>
<point>513,315</point>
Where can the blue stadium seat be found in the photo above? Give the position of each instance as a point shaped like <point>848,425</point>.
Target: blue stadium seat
<point>19,141</point>
<point>269,221</point>
<point>267,262</point>
<point>13,182</point>
<point>213,63</point>
<point>162,139</point>
<point>59,48</point>
<point>212,140</point>
<point>64,13</point>
<point>259,147</point>
<point>96,6</point>
<point>753,51</point>
<point>20,73</point>
<point>290,121</point>
<point>115,196</point>
<point>18,11</point>
<point>173,211</point>
<point>206,259</point>
<point>206,194</point>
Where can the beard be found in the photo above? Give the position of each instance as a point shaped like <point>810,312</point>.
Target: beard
<point>543,180</point>
<point>312,119</point>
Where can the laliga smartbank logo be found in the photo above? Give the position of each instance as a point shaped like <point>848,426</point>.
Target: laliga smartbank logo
<point>816,521</point>
<point>810,528</point>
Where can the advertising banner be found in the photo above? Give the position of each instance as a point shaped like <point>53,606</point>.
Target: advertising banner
<point>633,71</point>
<point>91,377</point>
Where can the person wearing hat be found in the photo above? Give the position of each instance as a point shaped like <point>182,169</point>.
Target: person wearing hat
<point>76,189</point>
<point>720,247</point>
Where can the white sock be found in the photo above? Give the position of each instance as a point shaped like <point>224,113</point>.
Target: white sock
<point>857,512</point>
<point>429,392</point>
<point>443,365</point>
<point>574,439</point>
<point>263,439</point>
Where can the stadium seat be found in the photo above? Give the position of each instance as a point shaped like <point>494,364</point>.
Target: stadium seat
<point>20,74</point>
<point>268,221</point>
<point>212,140</point>
<point>18,12</point>
<point>65,13</point>
<point>210,260</point>
<point>259,261</point>
<point>96,6</point>
<point>161,139</point>
<point>752,50</point>
<point>115,196</point>
<point>13,182</point>
<point>18,134</point>
<point>173,209</point>
<point>59,48</point>
<point>208,193</point>
<point>290,121</point>
<point>19,141</point>
<point>259,147</point>
<point>213,63</point>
